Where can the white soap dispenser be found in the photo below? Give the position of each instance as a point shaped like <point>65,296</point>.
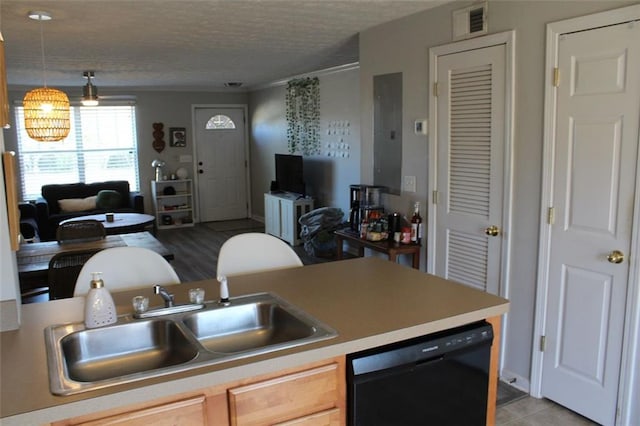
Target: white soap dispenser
<point>99,308</point>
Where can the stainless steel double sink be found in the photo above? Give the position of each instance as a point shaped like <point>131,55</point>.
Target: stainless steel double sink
<point>82,359</point>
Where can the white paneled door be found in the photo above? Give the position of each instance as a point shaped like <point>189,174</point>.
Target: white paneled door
<point>221,163</point>
<point>594,179</point>
<point>468,233</point>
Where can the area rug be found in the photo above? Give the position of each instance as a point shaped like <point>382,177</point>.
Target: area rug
<point>507,394</point>
<point>235,225</point>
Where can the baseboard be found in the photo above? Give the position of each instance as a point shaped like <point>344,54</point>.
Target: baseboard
<point>516,381</point>
<point>257,218</point>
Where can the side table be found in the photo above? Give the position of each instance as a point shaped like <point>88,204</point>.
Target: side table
<point>390,248</point>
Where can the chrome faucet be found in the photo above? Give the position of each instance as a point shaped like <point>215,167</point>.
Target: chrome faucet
<point>168,297</point>
<point>169,305</point>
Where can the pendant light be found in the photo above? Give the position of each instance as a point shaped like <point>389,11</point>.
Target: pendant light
<point>46,110</point>
<point>89,91</point>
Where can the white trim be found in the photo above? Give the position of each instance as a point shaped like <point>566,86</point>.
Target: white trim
<point>194,153</point>
<point>507,38</point>
<point>122,101</point>
<point>629,388</point>
<point>515,380</point>
<point>319,73</point>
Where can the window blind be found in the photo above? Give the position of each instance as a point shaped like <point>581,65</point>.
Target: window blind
<point>101,145</point>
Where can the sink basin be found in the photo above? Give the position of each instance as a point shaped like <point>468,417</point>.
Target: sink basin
<point>104,353</point>
<point>247,327</point>
<point>83,359</point>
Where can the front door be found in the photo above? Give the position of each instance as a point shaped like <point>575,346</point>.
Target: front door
<point>221,163</point>
<point>467,228</point>
<point>593,186</point>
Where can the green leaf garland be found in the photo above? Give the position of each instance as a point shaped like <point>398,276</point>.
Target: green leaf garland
<point>302,102</point>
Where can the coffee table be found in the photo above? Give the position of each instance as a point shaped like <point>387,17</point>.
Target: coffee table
<point>123,223</point>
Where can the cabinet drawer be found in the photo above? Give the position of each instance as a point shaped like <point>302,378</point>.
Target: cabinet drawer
<point>330,417</point>
<point>287,397</point>
<point>191,411</point>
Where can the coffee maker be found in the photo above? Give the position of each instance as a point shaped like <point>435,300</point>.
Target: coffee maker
<point>364,200</point>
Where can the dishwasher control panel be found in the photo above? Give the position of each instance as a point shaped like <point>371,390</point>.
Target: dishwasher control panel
<point>420,349</point>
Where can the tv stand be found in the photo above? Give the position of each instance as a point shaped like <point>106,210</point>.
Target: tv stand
<point>281,213</point>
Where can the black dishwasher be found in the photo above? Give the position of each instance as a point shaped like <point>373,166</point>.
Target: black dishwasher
<point>439,379</point>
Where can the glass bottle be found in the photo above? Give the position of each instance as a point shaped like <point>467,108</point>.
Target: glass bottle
<point>416,224</point>
<point>364,227</point>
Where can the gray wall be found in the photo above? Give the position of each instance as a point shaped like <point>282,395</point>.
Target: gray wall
<point>402,46</point>
<point>327,178</point>
<point>173,109</point>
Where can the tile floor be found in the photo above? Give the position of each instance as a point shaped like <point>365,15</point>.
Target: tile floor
<point>531,411</point>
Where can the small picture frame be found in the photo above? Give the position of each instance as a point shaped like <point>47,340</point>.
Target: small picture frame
<point>178,137</point>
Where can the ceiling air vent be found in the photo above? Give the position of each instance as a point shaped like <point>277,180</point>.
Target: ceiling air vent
<point>470,21</point>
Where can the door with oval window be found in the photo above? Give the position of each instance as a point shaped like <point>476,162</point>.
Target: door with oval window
<point>221,163</point>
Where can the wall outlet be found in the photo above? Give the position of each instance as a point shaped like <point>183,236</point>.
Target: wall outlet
<point>409,183</point>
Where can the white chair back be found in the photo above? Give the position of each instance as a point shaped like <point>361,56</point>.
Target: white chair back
<point>126,268</point>
<point>254,252</point>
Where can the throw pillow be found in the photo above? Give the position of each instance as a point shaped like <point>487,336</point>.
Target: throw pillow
<point>71,205</point>
<point>108,199</point>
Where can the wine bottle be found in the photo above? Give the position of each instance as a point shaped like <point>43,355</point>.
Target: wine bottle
<point>364,227</point>
<point>416,224</point>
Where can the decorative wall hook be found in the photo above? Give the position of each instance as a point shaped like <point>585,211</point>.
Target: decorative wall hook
<point>158,135</point>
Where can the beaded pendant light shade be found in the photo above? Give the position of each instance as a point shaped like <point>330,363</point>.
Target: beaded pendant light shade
<point>46,110</point>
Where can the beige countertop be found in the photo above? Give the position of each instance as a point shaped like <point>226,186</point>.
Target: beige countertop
<point>369,301</point>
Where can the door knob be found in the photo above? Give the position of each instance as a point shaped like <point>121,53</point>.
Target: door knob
<point>616,256</point>
<point>492,231</point>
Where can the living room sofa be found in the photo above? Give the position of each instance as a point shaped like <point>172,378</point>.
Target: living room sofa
<point>80,200</point>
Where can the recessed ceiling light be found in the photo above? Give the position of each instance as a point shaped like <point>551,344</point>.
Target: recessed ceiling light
<point>233,84</point>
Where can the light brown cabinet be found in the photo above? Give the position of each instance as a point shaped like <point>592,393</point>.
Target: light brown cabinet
<point>312,395</point>
<point>288,397</point>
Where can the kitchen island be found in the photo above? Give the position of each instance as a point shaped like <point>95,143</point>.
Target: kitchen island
<point>369,301</point>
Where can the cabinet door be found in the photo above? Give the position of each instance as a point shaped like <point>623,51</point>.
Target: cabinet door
<point>272,215</point>
<point>287,221</point>
<point>288,397</point>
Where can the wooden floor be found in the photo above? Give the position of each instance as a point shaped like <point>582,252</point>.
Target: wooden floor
<point>196,248</point>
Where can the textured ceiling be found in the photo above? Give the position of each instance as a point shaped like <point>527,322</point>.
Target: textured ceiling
<point>187,45</point>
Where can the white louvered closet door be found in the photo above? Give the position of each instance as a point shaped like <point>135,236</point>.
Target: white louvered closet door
<point>470,151</point>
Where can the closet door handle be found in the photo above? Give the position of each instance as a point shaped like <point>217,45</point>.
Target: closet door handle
<point>616,256</point>
<point>492,231</point>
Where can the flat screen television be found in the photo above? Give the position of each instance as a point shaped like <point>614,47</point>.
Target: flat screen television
<point>289,176</point>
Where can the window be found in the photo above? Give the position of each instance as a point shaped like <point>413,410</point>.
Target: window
<point>220,121</point>
<point>101,146</point>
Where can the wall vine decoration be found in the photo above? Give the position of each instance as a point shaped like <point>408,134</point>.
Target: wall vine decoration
<point>302,102</point>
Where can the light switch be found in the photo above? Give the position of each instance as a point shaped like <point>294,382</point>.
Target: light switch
<point>410,183</point>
